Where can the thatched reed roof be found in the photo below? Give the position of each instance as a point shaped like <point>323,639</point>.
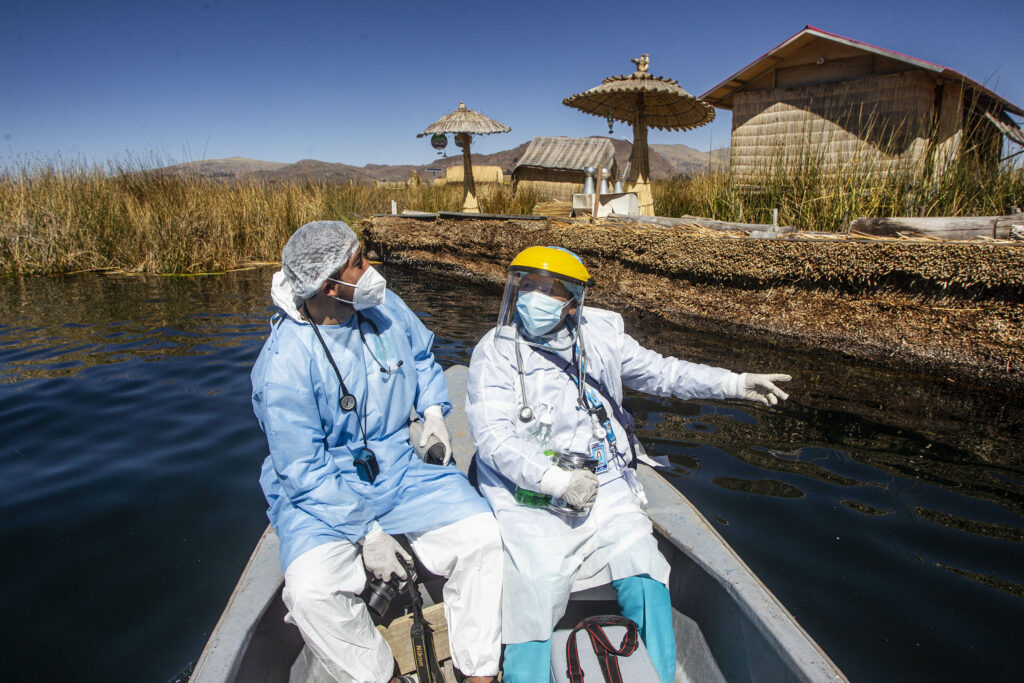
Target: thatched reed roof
<point>721,95</point>
<point>570,154</point>
<point>666,104</point>
<point>1006,126</point>
<point>464,120</point>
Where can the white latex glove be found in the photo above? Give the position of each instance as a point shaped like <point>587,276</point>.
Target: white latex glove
<point>754,387</point>
<point>578,488</point>
<point>433,425</point>
<point>379,551</point>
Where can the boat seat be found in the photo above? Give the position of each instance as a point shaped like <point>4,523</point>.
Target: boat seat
<point>604,592</point>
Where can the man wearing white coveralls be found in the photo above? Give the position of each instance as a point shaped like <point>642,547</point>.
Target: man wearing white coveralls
<point>549,377</point>
<point>333,389</point>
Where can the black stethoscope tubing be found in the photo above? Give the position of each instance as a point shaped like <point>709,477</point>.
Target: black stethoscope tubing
<point>347,402</point>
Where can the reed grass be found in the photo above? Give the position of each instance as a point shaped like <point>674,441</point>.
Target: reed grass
<point>58,218</point>
<point>814,190</point>
<point>810,200</point>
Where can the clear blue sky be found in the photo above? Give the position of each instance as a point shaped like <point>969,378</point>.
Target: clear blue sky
<point>354,82</point>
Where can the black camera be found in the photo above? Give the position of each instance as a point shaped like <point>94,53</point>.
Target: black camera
<point>380,593</point>
<point>435,454</point>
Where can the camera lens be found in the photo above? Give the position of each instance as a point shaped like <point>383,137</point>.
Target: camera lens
<point>381,595</point>
<point>435,454</point>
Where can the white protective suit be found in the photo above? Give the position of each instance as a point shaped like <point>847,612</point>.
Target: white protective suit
<point>547,555</point>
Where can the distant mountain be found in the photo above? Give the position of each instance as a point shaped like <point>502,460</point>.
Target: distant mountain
<point>506,159</point>
<point>688,161</point>
<point>232,167</point>
<point>319,171</point>
<point>666,161</point>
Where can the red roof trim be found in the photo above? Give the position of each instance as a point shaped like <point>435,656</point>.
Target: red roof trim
<point>899,55</point>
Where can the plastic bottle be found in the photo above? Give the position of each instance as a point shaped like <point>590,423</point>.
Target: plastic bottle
<point>532,498</point>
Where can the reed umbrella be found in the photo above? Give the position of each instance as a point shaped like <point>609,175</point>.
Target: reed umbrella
<point>645,101</point>
<point>464,124</point>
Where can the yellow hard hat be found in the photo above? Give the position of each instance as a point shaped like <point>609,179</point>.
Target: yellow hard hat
<point>553,261</point>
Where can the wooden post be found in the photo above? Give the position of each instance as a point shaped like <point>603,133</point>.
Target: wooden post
<point>639,161</point>
<point>597,195</point>
<point>469,203</point>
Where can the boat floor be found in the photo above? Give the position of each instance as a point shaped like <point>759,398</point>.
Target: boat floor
<point>694,660</point>
<point>728,625</point>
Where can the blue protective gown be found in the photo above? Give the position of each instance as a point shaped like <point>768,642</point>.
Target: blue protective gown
<point>314,493</point>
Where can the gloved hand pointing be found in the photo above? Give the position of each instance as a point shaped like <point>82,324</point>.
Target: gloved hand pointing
<point>433,425</point>
<point>379,551</point>
<point>754,387</point>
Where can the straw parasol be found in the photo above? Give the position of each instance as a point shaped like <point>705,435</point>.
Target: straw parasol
<point>644,101</point>
<point>464,124</point>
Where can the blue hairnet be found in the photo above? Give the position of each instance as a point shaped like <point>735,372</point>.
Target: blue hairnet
<point>315,252</point>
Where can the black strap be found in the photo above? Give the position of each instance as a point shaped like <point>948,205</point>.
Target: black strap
<point>621,414</point>
<point>424,654</point>
<point>607,654</point>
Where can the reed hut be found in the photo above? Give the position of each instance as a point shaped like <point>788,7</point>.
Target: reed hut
<point>553,166</point>
<point>481,175</point>
<point>845,106</point>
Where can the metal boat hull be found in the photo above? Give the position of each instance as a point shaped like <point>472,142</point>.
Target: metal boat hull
<point>728,625</point>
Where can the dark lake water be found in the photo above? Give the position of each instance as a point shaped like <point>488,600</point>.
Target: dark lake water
<point>883,509</point>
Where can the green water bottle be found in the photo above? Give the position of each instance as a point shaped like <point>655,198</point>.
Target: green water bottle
<point>532,498</point>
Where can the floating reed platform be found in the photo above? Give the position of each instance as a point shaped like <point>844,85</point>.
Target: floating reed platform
<point>949,308</point>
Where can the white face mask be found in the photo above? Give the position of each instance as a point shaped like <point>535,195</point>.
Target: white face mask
<point>369,290</point>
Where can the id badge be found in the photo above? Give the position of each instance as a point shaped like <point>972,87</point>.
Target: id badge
<point>600,453</point>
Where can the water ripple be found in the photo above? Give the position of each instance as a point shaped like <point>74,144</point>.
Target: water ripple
<point>886,511</point>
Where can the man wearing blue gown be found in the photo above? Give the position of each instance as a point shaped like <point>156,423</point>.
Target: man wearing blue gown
<point>333,389</point>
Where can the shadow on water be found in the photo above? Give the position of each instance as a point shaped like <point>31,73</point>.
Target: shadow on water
<point>883,509</point>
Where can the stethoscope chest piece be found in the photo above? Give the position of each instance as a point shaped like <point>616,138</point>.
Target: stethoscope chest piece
<point>525,414</point>
<point>348,402</point>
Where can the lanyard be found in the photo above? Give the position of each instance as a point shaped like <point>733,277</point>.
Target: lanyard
<point>576,371</point>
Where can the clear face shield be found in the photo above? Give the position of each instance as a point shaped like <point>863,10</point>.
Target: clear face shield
<point>540,309</point>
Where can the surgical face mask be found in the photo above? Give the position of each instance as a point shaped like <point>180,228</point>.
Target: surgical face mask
<point>538,312</point>
<point>369,290</point>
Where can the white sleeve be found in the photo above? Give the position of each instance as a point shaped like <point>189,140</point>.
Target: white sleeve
<point>650,372</point>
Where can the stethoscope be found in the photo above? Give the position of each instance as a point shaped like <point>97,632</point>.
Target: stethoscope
<point>526,412</point>
<point>348,400</point>
<point>364,459</point>
<point>385,367</point>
